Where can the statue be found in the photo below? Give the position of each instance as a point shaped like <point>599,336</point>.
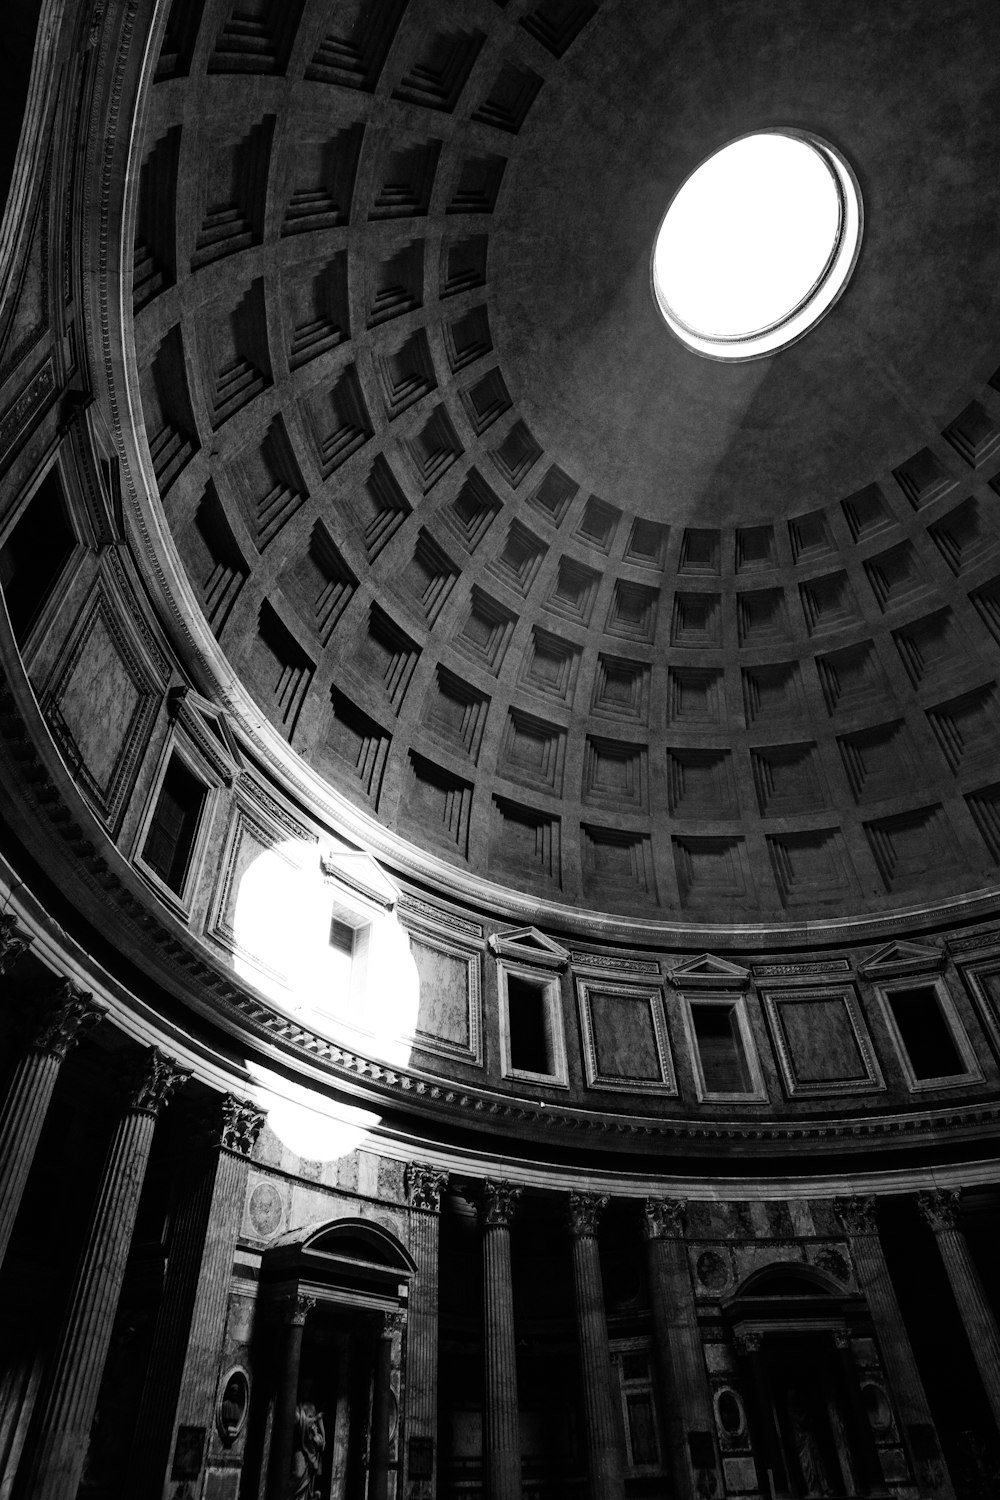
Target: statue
<point>807,1449</point>
<point>307,1457</point>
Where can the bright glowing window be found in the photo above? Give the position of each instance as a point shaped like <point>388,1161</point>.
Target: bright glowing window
<point>757,245</point>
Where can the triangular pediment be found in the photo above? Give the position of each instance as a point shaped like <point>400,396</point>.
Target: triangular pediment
<point>210,732</point>
<point>902,957</point>
<point>530,946</point>
<point>708,972</point>
<point>361,876</point>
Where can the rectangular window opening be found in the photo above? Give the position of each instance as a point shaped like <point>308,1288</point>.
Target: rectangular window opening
<point>528,1026</point>
<point>720,1048</point>
<point>925,1033</point>
<point>174,825</point>
<point>34,555</point>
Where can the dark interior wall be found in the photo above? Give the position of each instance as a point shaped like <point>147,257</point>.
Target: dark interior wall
<point>20,23</point>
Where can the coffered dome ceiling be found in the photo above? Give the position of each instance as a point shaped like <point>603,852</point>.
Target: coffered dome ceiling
<point>544,593</point>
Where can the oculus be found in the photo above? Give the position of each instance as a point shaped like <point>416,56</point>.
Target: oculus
<point>757,244</point>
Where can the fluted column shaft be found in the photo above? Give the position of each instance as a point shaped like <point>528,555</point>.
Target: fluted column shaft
<point>424,1186</point>
<point>286,1398</point>
<point>22,1115</point>
<point>183,1362</point>
<point>67,1409</point>
<point>940,1210</point>
<point>605,1457</point>
<point>858,1218</point>
<point>501,1432</point>
<point>687,1401</point>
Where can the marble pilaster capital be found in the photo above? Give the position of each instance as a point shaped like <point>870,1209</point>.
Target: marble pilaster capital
<point>842,1338</point>
<point>748,1340</point>
<point>241,1124</point>
<point>155,1078</point>
<point>392,1323</point>
<point>424,1186</point>
<point>664,1218</point>
<point>497,1204</point>
<point>939,1207</point>
<point>14,943</point>
<point>584,1211</point>
<point>71,1015</point>
<point>297,1309</point>
<point>857,1214</point>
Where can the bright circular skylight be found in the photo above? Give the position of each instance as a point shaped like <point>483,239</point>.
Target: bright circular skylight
<point>757,244</point>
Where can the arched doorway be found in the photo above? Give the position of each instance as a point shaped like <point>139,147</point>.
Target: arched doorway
<point>335,1298</point>
<point>792,1326</point>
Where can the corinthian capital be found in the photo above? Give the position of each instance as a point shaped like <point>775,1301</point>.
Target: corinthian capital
<point>497,1203</point>
<point>584,1211</point>
<point>939,1207</point>
<point>155,1079</point>
<point>424,1186</point>
<point>13,942</point>
<point>857,1214</point>
<point>242,1123</point>
<point>665,1218</point>
<point>73,1013</point>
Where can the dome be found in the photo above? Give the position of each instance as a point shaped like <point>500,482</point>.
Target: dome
<point>499,812</point>
<point>552,602</point>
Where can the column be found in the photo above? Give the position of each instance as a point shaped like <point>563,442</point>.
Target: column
<point>183,1361</point>
<point>22,1116</point>
<point>686,1398</point>
<point>424,1188</point>
<point>67,1409</point>
<point>602,1410</point>
<point>378,1484</point>
<point>940,1210</point>
<point>857,1215</point>
<point>501,1433</point>
<point>287,1396</point>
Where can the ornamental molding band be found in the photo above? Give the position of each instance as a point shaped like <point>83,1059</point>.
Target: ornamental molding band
<point>896,959</point>
<point>14,943</point>
<point>583,1213</point>
<point>857,1214</point>
<point>155,1078</point>
<point>242,1123</point>
<point>939,1208</point>
<point>496,1204</point>
<point>665,1218</point>
<point>74,1012</point>
<point>528,945</point>
<point>425,1186</point>
<point>708,972</point>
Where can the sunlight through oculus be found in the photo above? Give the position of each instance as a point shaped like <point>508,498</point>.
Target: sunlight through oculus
<point>757,245</point>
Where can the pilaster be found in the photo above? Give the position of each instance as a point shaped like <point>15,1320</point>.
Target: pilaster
<point>940,1211</point>
<point>424,1189</point>
<point>604,1438</point>
<point>501,1435</point>
<point>71,1013</point>
<point>687,1400</point>
<point>857,1215</point>
<point>184,1358</point>
<point>67,1408</point>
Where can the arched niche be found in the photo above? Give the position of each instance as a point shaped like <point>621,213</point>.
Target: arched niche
<point>792,1326</point>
